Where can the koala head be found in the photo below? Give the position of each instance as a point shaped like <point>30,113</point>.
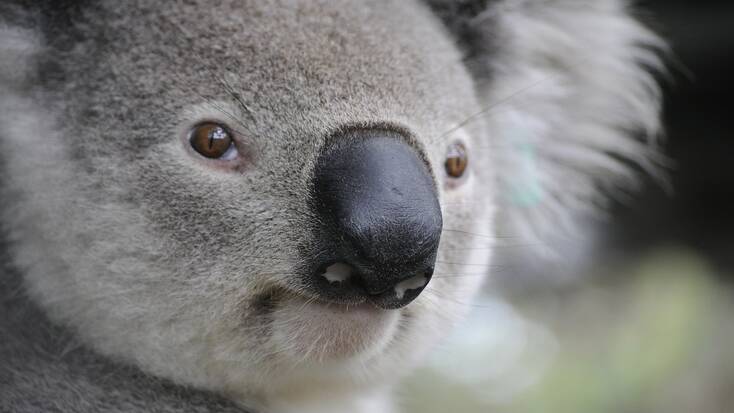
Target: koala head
<point>278,201</point>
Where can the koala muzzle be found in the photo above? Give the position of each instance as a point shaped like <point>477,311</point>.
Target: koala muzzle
<point>380,220</point>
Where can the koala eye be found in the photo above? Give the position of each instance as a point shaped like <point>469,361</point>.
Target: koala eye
<point>456,160</point>
<point>213,140</point>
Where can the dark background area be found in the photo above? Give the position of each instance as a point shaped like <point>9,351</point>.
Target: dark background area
<point>699,123</point>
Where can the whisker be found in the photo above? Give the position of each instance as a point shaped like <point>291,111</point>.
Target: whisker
<point>465,264</point>
<point>442,295</point>
<point>476,115</point>
<point>237,97</point>
<point>502,101</point>
<point>450,276</point>
<point>495,246</point>
<point>474,234</point>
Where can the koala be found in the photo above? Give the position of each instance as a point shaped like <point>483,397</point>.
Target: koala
<point>281,206</point>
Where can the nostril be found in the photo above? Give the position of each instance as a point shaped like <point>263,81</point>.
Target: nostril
<point>344,283</point>
<point>419,281</point>
<point>337,272</point>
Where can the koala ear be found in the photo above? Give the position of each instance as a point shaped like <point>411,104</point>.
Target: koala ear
<point>572,107</point>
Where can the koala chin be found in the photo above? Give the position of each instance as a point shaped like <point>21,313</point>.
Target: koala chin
<point>249,206</point>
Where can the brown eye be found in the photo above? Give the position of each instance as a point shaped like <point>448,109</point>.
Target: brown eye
<point>456,160</point>
<point>212,140</point>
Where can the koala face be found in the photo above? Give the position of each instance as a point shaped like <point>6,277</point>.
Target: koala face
<point>216,167</point>
<point>281,201</point>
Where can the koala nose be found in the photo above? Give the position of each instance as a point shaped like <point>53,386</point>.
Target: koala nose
<point>381,219</point>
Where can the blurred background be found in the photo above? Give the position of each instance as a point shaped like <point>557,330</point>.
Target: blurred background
<point>648,325</point>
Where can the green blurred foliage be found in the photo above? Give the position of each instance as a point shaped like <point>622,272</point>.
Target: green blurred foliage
<point>658,337</point>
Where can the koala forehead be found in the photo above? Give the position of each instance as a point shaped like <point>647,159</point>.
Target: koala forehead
<point>301,68</point>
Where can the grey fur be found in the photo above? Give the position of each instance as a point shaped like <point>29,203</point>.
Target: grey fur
<point>157,261</point>
<point>45,369</point>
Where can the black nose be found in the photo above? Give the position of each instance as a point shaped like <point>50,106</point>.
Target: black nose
<point>381,219</point>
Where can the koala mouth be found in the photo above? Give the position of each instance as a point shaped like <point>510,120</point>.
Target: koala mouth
<point>311,329</point>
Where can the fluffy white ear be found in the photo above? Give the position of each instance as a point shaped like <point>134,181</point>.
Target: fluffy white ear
<point>572,111</point>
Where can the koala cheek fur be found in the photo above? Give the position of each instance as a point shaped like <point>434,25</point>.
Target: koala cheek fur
<point>207,275</point>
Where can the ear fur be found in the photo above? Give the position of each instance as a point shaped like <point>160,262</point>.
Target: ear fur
<point>19,47</point>
<point>572,106</point>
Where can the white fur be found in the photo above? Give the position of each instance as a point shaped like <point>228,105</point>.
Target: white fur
<point>574,105</point>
